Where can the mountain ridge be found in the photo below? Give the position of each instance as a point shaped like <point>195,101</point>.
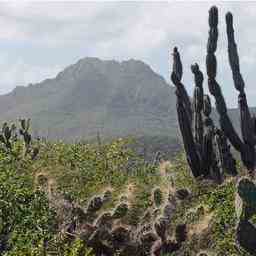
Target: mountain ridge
<point>119,98</point>
<point>113,98</point>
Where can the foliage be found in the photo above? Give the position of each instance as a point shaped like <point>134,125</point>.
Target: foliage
<point>26,220</point>
<point>77,248</point>
<point>80,171</point>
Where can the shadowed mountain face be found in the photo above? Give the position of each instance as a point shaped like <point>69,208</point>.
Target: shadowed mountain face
<point>114,98</point>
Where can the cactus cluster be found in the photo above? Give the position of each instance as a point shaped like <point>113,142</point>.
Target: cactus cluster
<point>27,138</point>
<point>208,152</point>
<point>107,231</point>
<point>9,136</point>
<point>245,145</point>
<point>207,147</point>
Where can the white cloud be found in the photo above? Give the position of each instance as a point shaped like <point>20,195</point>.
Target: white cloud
<point>122,30</point>
<point>20,73</point>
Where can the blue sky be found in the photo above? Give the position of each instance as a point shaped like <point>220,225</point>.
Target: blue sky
<point>37,40</point>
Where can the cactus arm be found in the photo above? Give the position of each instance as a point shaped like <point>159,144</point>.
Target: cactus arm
<point>184,112</point>
<point>219,155</point>
<point>207,140</point>
<point>254,123</point>
<point>27,124</point>
<point>230,132</point>
<point>211,158</point>
<point>246,120</point>
<point>214,88</point>
<point>198,106</point>
<point>198,121</point>
<point>176,77</point>
<point>233,54</point>
<point>188,140</point>
<point>207,151</point>
<point>226,159</point>
<point>217,167</point>
<point>177,64</point>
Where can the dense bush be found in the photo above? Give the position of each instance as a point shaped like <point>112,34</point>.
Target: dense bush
<point>28,224</point>
<point>26,220</point>
<point>33,191</point>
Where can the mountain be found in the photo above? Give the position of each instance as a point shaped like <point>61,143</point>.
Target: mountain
<point>110,97</point>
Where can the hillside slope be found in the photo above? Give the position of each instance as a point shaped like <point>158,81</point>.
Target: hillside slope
<point>114,98</point>
<point>82,199</point>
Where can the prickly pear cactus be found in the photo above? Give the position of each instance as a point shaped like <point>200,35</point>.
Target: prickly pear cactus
<point>245,209</point>
<point>120,235</point>
<point>181,233</point>
<point>182,194</point>
<point>105,219</point>
<point>246,189</point>
<point>95,204</point>
<point>107,196</point>
<point>157,197</point>
<point>120,211</point>
<point>246,236</point>
<point>160,227</point>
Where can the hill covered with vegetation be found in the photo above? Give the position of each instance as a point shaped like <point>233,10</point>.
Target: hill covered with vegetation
<point>92,95</point>
<point>103,199</point>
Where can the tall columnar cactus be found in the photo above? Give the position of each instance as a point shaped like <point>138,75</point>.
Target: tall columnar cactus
<point>184,112</point>
<point>213,154</point>
<point>181,91</point>
<point>198,106</point>
<point>120,211</point>
<point>208,152</point>
<point>204,149</point>
<point>94,204</point>
<point>245,146</point>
